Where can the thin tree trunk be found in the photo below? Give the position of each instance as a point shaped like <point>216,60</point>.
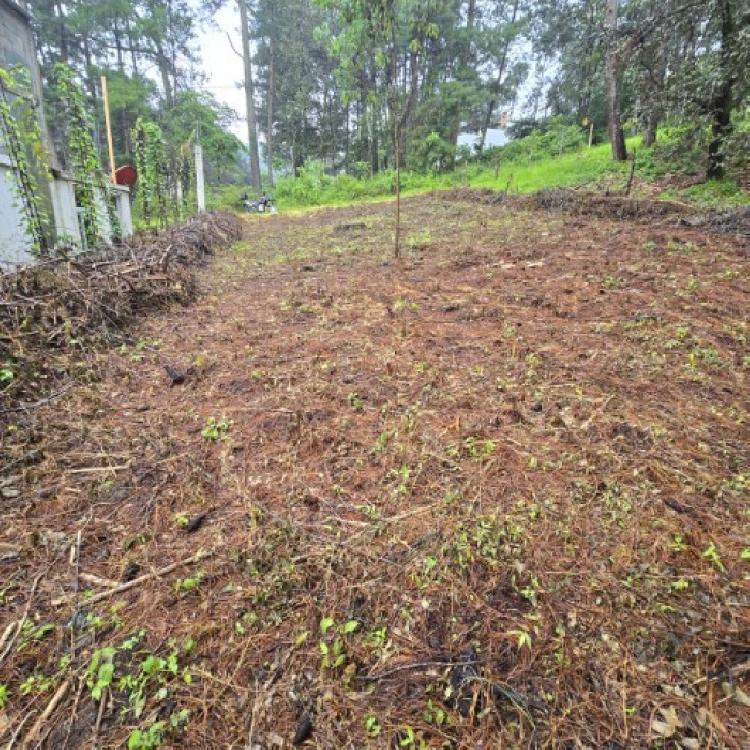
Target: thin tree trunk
<point>397,239</point>
<point>63,32</point>
<point>721,106</point>
<point>616,134</point>
<point>133,55</point>
<point>269,107</point>
<point>501,70</point>
<point>656,84</point>
<point>162,63</point>
<point>118,48</point>
<point>252,120</point>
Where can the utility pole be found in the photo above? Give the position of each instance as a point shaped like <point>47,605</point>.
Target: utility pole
<point>252,120</point>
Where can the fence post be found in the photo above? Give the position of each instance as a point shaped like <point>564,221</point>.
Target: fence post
<point>200,189</point>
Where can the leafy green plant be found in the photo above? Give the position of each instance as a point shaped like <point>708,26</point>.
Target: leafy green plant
<point>147,739</point>
<point>434,714</point>
<point>35,684</point>
<point>21,136</point>
<point>677,544</point>
<point>186,585</point>
<point>372,725</point>
<point>83,156</point>
<point>216,429</point>
<point>332,644</point>
<point>151,164</point>
<point>3,696</point>
<point>101,671</point>
<point>523,638</point>
<point>712,555</point>
<point>479,449</point>
<point>356,402</point>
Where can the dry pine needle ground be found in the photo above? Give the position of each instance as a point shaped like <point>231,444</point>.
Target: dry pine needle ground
<point>494,495</point>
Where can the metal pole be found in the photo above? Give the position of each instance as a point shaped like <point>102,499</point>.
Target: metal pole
<point>105,96</point>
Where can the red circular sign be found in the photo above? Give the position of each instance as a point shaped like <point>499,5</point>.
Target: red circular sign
<point>126,175</point>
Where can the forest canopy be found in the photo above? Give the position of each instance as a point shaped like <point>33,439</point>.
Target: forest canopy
<point>350,83</point>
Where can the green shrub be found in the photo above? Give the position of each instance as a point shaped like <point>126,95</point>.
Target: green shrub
<point>432,154</point>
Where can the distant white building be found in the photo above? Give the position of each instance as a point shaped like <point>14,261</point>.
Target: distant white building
<point>17,48</point>
<point>495,137</point>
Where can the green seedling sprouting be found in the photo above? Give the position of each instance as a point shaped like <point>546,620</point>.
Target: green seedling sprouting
<point>3,696</point>
<point>185,585</point>
<point>434,714</point>
<point>523,638</point>
<point>372,725</point>
<point>151,738</point>
<point>712,555</point>
<point>677,544</point>
<point>216,429</point>
<point>101,671</point>
<point>479,449</point>
<point>356,403</point>
<point>334,655</point>
<point>382,442</point>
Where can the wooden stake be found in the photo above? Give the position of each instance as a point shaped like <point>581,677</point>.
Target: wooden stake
<point>105,96</point>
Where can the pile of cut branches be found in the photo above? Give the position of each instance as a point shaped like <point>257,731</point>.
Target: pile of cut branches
<point>53,312</point>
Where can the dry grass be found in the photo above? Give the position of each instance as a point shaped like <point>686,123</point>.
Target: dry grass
<point>493,496</point>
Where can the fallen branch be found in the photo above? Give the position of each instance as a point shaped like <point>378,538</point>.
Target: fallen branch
<point>12,633</point>
<point>98,580</point>
<point>60,693</point>
<point>137,581</point>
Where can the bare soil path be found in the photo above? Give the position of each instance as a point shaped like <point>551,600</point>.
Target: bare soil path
<point>494,495</point>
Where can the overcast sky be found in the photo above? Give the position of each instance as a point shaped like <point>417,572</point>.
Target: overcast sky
<point>222,67</point>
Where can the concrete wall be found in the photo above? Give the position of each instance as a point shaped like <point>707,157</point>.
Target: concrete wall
<point>67,228</point>
<point>15,245</point>
<point>17,48</point>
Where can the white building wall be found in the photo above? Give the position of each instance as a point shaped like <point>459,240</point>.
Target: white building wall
<point>15,245</point>
<point>67,228</point>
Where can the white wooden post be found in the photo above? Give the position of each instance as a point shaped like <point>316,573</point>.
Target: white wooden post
<point>200,189</point>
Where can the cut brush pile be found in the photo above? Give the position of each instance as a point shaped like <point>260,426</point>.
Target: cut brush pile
<point>51,312</point>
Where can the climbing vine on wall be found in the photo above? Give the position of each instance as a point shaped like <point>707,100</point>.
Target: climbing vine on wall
<point>185,178</point>
<point>83,157</point>
<point>21,139</point>
<point>150,161</point>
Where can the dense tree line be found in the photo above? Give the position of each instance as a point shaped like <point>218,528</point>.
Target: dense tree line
<point>358,84</point>
<point>147,49</point>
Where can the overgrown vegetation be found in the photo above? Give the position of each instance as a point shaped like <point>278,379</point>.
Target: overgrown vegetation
<point>554,157</point>
<point>92,190</point>
<point>343,87</point>
<point>20,139</point>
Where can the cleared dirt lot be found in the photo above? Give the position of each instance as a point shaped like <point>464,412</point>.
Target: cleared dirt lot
<point>492,495</point>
